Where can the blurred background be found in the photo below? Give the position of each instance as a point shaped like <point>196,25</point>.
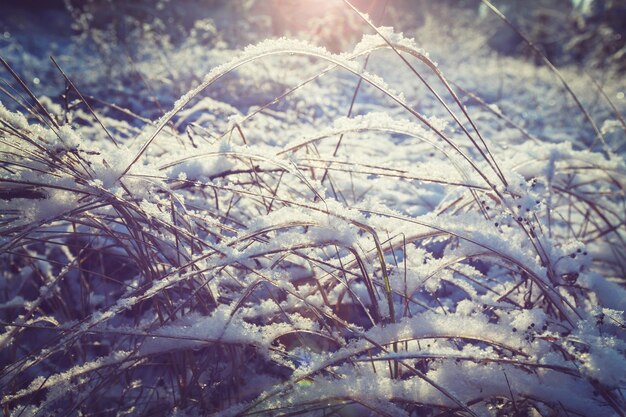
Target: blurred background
<point>588,32</point>
<point>144,54</point>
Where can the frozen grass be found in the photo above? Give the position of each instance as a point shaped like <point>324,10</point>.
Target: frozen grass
<point>388,263</point>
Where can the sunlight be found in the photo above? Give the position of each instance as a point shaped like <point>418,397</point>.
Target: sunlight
<point>297,15</point>
<point>330,23</point>
<point>301,10</point>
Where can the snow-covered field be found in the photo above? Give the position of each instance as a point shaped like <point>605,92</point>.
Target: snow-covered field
<point>409,225</point>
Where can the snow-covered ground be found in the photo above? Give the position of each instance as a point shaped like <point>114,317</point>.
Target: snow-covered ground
<point>408,225</point>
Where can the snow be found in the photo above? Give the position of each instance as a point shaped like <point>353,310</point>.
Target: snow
<point>253,247</point>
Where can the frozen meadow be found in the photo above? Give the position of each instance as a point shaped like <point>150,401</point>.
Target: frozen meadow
<point>360,219</point>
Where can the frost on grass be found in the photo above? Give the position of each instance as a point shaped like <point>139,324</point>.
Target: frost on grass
<point>279,257</point>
